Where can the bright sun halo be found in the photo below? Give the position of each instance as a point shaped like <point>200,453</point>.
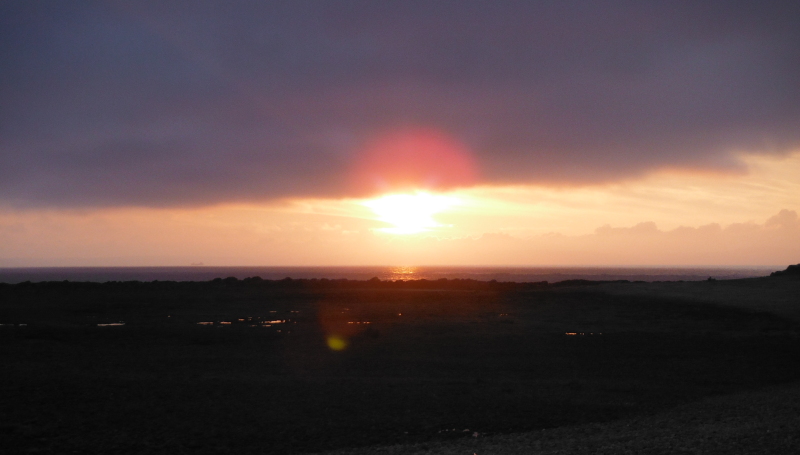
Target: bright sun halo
<point>409,213</point>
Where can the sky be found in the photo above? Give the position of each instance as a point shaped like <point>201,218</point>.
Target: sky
<point>399,133</point>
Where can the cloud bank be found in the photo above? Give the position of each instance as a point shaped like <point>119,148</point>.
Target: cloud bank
<point>194,103</point>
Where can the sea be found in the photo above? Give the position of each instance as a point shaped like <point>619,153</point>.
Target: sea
<point>517,274</point>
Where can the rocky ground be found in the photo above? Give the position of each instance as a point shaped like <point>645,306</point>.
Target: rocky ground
<point>255,367</point>
<point>764,421</point>
<point>755,422</point>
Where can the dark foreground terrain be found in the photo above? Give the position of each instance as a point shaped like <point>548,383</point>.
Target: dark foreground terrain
<point>294,366</point>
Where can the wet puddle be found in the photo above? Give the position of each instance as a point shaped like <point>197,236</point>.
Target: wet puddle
<point>251,321</point>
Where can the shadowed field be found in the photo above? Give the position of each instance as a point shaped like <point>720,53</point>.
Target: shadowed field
<point>256,366</point>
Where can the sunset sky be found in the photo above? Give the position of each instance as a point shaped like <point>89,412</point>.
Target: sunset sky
<point>399,132</point>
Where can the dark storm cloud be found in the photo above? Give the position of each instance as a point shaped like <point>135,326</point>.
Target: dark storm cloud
<point>169,103</point>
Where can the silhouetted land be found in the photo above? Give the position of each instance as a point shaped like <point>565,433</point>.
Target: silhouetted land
<point>244,366</point>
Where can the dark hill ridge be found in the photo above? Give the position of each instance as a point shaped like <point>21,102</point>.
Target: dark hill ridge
<point>307,284</point>
<point>792,270</point>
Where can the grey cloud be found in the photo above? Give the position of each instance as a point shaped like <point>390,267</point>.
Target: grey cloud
<point>171,103</point>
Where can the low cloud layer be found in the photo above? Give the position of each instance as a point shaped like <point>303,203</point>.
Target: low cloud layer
<point>771,243</point>
<point>234,236</point>
<point>192,103</point>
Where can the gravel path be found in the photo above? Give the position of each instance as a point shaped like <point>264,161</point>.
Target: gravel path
<point>756,422</point>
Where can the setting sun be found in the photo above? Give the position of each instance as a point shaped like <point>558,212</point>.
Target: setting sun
<point>410,213</point>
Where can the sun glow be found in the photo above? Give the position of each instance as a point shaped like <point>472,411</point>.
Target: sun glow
<point>410,213</point>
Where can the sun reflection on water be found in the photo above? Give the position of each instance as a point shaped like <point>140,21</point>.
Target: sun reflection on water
<point>403,273</point>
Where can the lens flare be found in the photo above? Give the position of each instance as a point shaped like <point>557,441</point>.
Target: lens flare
<point>410,213</point>
<point>336,343</point>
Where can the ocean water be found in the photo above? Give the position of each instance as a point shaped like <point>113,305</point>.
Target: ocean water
<point>518,274</point>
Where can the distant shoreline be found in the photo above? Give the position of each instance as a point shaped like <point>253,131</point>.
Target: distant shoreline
<point>384,273</point>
